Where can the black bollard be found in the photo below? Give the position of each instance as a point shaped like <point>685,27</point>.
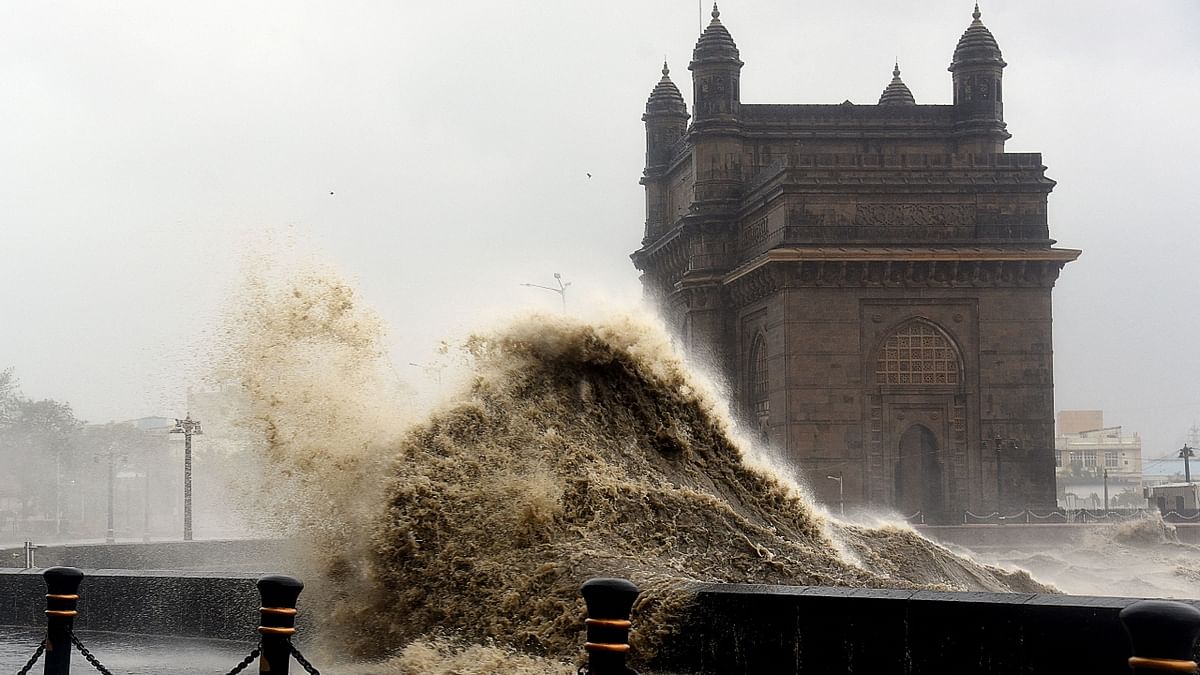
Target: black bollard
<point>278,621</point>
<point>62,597</point>
<point>1163,635</point>
<point>609,602</point>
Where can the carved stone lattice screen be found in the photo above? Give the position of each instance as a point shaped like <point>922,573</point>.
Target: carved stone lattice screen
<point>917,353</point>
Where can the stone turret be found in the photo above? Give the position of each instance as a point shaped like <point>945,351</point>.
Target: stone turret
<point>977,68</point>
<point>896,93</point>
<point>666,120</point>
<point>716,134</point>
<point>716,74</point>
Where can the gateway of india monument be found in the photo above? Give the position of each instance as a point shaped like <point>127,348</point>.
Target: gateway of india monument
<point>873,280</point>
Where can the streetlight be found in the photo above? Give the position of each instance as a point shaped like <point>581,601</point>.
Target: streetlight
<point>188,427</point>
<point>112,456</point>
<point>428,368</point>
<point>841,495</point>
<point>1185,454</point>
<point>561,290</point>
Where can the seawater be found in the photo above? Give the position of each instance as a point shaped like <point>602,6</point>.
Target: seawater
<point>132,654</point>
<point>572,449</point>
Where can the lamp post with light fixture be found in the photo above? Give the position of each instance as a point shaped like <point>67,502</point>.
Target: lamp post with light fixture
<point>561,290</point>
<point>841,494</point>
<point>188,427</point>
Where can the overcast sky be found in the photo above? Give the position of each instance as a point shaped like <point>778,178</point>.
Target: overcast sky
<point>145,146</point>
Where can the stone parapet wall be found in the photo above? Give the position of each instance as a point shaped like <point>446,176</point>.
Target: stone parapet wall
<point>184,604</point>
<point>736,629</point>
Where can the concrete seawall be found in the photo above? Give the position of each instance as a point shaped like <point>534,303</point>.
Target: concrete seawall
<point>743,629</point>
<point>186,604</point>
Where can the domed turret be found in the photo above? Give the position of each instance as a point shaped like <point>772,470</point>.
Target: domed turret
<point>716,73</point>
<point>896,93</point>
<point>715,42</point>
<point>977,68</point>
<point>976,46</point>
<point>666,119</point>
<point>665,99</point>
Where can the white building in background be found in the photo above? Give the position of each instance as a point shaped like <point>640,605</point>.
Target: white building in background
<point>1182,498</point>
<point>1085,451</point>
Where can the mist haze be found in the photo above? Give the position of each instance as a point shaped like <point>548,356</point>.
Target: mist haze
<point>439,156</point>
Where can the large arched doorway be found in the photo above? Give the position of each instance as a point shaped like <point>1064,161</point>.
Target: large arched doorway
<point>918,473</point>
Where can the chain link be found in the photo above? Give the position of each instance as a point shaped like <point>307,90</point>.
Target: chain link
<point>303,661</point>
<point>246,661</point>
<point>33,659</point>
<point>88,655</point>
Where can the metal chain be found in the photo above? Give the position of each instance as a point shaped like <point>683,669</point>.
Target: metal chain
<point>33,659</point>
<point>303,661</point>
<point>88,655</point>
<point>246,661</point>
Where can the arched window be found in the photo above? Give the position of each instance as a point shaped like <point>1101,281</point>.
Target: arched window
<point>917,353</point>
<point>760,399</point>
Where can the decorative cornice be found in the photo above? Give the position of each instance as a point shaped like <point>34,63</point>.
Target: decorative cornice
<point>666,258</point>
<point>896,268</point>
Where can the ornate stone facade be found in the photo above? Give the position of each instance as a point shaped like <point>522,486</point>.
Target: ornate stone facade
<point>874,279</point>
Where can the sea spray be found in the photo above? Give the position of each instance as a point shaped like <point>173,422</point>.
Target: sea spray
<point>589,449</point>
<point>577,449</point>
<point>1140,556</point>
<point>322,408</point>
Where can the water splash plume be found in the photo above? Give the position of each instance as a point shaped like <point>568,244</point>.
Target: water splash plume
<point>578,449</point>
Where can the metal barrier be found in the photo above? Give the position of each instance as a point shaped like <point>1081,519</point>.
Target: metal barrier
<point>1162,634</point>
<point>29,548</point>
<point>1073,516</point>
<point>277,625</point>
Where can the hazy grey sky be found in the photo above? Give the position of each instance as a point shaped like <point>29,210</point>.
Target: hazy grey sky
<point>146,145</point>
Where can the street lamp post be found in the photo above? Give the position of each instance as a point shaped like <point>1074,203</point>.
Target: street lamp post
<point>146,502</point>
<point>841,495</point>
<point>109,536</point>
<point>188,427</point>
<point>110,456</point>
<point>58,494</point>
<point>435,369</point>
<point>1186,453</point>
<point>561,290</point>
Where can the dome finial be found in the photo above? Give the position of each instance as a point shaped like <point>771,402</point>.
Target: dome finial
<point>666,70</point>
<point>896,70</point>
<point>976,14</point>
<point>716,13</point>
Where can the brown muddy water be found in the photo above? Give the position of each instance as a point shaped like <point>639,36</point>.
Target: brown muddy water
<point>572,449</point>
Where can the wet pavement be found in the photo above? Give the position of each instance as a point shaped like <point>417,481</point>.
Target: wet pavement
<point>129,654</point>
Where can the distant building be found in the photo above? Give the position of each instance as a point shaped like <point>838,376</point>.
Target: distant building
<point>873,280</point>
<point>1084,451</point>
<point>1182,498</point>
<point>1076,421</point>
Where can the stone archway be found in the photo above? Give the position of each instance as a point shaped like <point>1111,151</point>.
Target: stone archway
<point>918,473</point>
